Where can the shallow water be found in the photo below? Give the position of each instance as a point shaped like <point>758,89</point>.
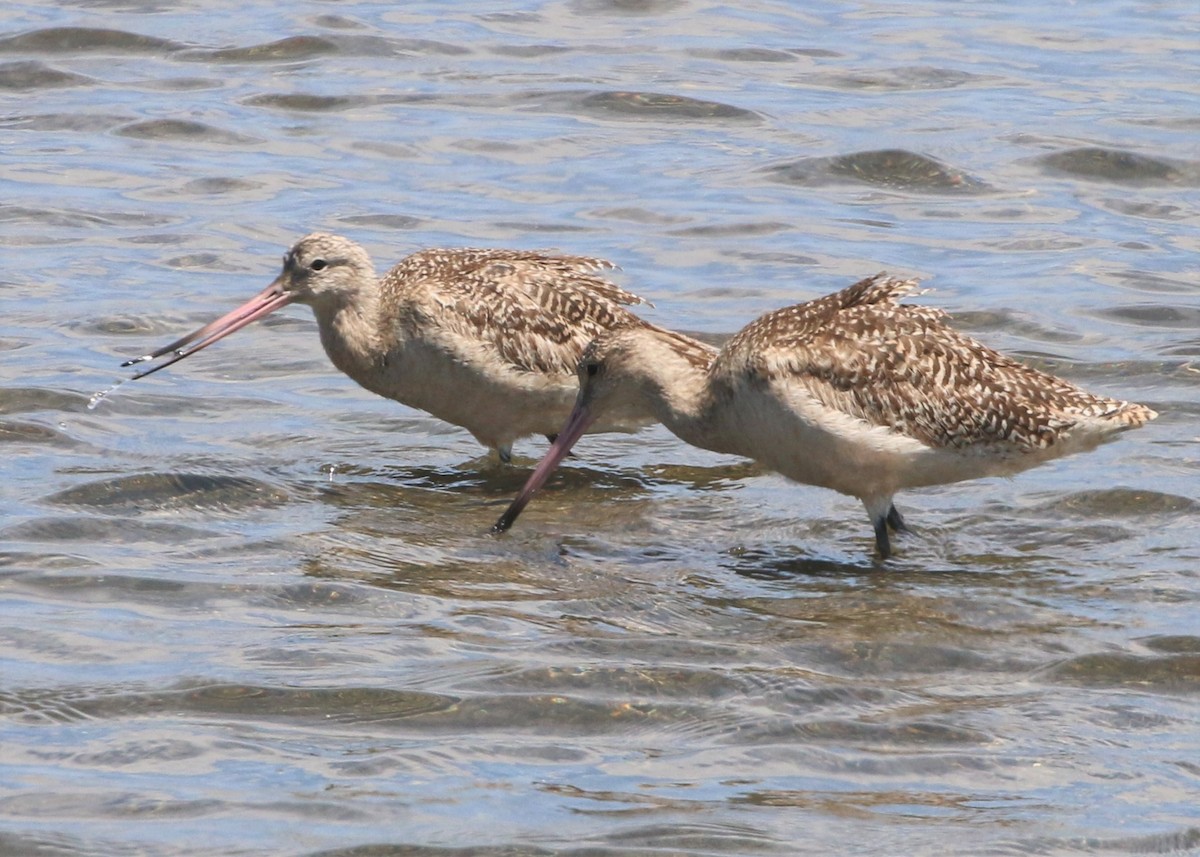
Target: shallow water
<point>247,608</point>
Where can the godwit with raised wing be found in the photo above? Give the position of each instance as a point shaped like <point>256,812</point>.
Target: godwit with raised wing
<point>853,392</point>
<point>485,339</point>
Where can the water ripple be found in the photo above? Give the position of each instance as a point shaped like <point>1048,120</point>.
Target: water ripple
<point>289,49</point>
<point>119,531</point>
<point>73,40</point>
<point>1118,166</point>
<point>1165,674</point>
<point>32,74</point>
<point>895,169</point>
<point>167,491</point>
<point>185,131</point>
<point>637,106</point>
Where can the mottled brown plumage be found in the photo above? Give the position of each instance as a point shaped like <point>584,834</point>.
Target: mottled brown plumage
<point>901,366</point>
<point>853,391</point>
<point>536,310</point>
<point>485,339</point>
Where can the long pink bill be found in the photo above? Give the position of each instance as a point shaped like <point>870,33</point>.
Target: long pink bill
<point>267,301</point>
<point>577,423</point>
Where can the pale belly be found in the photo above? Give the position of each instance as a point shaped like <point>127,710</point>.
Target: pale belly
<point>815,446</point>
<point>496,404</point>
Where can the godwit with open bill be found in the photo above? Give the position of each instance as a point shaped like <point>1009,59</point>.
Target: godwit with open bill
<point>485,339</point>
<point>853,391</point>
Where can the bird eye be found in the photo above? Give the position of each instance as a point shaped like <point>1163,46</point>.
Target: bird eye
<point>592,369</point>
<point>318,265</point>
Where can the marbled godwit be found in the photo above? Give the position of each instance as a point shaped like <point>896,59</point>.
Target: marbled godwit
<point>485,339</point>
<point>853,392</point>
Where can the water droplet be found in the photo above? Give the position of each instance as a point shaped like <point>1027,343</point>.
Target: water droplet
<point>97,398</point>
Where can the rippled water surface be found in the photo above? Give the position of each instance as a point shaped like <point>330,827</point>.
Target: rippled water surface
<point>248,608</point>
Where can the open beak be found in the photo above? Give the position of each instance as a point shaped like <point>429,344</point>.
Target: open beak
<point>267,301</point>
<point>577,423</point>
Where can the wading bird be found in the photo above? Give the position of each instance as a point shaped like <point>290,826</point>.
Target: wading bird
<point>485,339</point>
<point>853,391</point>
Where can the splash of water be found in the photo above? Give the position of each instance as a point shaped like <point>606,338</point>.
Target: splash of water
<point>97,398</point>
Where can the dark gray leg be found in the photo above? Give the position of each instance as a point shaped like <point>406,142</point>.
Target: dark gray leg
<point>896,522</point>
<point>882,543</point>
<point>881,512</point>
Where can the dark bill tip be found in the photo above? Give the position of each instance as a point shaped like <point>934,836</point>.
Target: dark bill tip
<point>506,520</point>
<point>270,299</point>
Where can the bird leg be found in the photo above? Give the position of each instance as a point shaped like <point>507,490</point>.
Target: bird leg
<point>882,521</point>
<point>882,542</point>
<point>882,513</point>
<point>896,522</point>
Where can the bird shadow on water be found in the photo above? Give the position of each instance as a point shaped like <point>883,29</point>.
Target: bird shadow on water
<point>923,555</point>
<point>797,564</point>
<point>765,567</point>
<point>772,567</point>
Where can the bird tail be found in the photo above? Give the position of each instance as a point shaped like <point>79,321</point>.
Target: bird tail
<point>1131,415</point>
<point>1107,416</point>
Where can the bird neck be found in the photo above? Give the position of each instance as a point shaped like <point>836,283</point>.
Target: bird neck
<point>672,378</point>
<point>350,330</point>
